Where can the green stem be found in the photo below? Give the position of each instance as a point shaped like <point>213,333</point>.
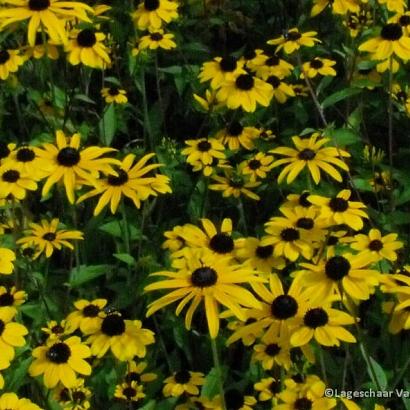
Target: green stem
<point>401,374</point>
<point>217,367</point>
<point>147,123</point>
<point>125,229</point>
<point>322,365</point>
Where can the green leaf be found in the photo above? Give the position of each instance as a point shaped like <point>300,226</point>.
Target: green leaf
<point>210,387</point>
<point>340,96</point>
<point>379,373</point>
<point>125,257</point>
<point>16,379</point>
<point>343,136</point>
<point>115,229</point>
<point>85,273</point>
<point>108,125</point>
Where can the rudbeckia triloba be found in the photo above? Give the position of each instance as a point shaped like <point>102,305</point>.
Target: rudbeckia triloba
<point>292,40</point>
<point>202,277</point>
<point>50,14</point>
<point>9,62</point>
<point>338,6</point>
<point>42,47</point>
<point>182,382</point>
<point>157,39</point>
<point>311,153</point>
<point>131,181</point>
<point>257,167</point>
<point>70,164</point>
<point>245,91</point>
<point>324,324</point>
<point>60,361</point>
<point>125,338</point>
<point>202,152</point>
<point>235,136</point>
<point>135,373</point>
<point>14,182</point>
<point>220,70</point>
<point>87,47</point>
<point>273,65</point>
<point>11,334</point>
<point>46,237</point>
<point>56,331</point>
<point>10,401</point>
<point>114,95</point>
<point>339,210</point>
<point>374,244</point>
<point>317,65</point>
<point>87,317</point>
<point>391,41</point>
<point>131,392</point>
<point>7,257</point>
<point>233,184</point>
<point>281,90</point>
<point>11,297</point>
<point>153,13</point>
<point>341,273</point>
<point>75,398</point>
<point>268,388</point>
<point>398,6</point>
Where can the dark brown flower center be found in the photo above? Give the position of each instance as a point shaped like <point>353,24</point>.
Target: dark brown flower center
<point>151,5</point>
<point>316,64</point>
<point>274,81</point>
<point>118,180</point>
<point>2,327</point>
<point>204,146</point>
<point>404,20</point>
<point>284,307</point>
<point>338,205</point>
<point>264,252</point>
<point>275,387</point>
<point>156,36</point>
<point>4,150</point>
<point>307,154</point>
<point>254,164</point>
<point>68,157</point>
<point>289,235</point>
<point>182,377</point>
<point>11,176</point>
<point>113,91</point>
<point>305,223</point>
<point>25,155</point>
<point>245,82</point>
<point>272,349</point>
<point>303,201</point>
<point>38,5</point>
<point>303,404</point>
<point>234,400</point>
<point>315,318</point>
<point>57,330</point>
<point>292,36</point>
<point>129,392</point>
<point>79,396</point>
<point>392,32</point>
<point>59,353</point>
<point>272,61</point>
<point>228,64</point>
<point>376,245</point>
<point>337,267</point>
<point>113,325</point>
<point>6,299</point>
<point>86,38</point>
<point>221,243</point>
<point>235,129</point>
<point>91,311</point>
<point>204,277</point>
<point>49,236</point>
<point>4,56</point>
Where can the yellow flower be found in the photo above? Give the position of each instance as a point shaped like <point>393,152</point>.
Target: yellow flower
<point>398,6</point>
<point>157,39</point>
<point>376,245</point>
<point>235,185</point>
<point>245,91</point>
<point>268,388</point>
<point>49,14</point>
<point>317,65</point>
<point>11,297</point>
<point>273,65</point>
<point>208,103</point>
<point>338,6</point>
<point>11,334</point>
<point>114,95</point>
<point>46,237</point>
<point>311,153</point>
<point>292,40</point>
<point>135,373</point>
<point>10,401</point>
<point>182,382</point>
<point>87,47</point>
<point>391,41</point>
<point>59,361</point>
<point>130,182</point>
<point>75,398</point>
<point>42,47</point>
<point>202,277</point>
<point>56,330</point>
<point>235,136</point>
<point>9,62</point>
<point>132,392</point>
<point>281,90</point>
<point>70,164</point>
<point>153,13</point>
<point>125,338</point>
<point>7,257</point>
<point>14,181</point>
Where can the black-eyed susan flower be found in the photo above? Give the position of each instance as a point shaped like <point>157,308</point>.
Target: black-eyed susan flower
<point>5,149</point>
<point>273,65</point>
<point>248,339</point>
<point>114,95</point>
<point>268,388</point>
<point>281,90</point>
<point>75,398</point>
<point>154,13</point>
<point>245,91</point>
<point>181,382</point>
<point>358,22</point>
<point>235,136</point>
<point>292,40</point>
<point>398,6</point>
<point>339,210</point>
<point>202,152</point>
<point>130,181</point>
<point>250,252</point>
<point>300,90</point>
<point>87,317</point>
<point>10,60</point>
<point>46,237</point>
<point>208,102</point>
<point>220,70</point>
<point>136,373</point>
<point>391,41</point>
<point>398,311</point>
<point>60,361</point>
<point>376,245</point>
<point>10,401</point>
<point>234,184</point>
<point>86,47</point>
<point>340,274</point>
<point>14,181</point>
<point>43,46</point>
<point>338,6</point>
<point>50,15</point>
<point>69,163</point>
<point>125,338</point>
<point>254,58</point>
<point>7,257</point>
<point>56,330</point>
<point>324,324</point>
<point>202,277</point>
<point>157,39</point>
<point>381,181</point>
<point>11,297</point>
<point>310,153</point>
<point>403,19</point>
<point>318,65</point>
<point>131,392</point>
<point>11,333</point>
<point>174,239</point>
<point>236,400</point>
